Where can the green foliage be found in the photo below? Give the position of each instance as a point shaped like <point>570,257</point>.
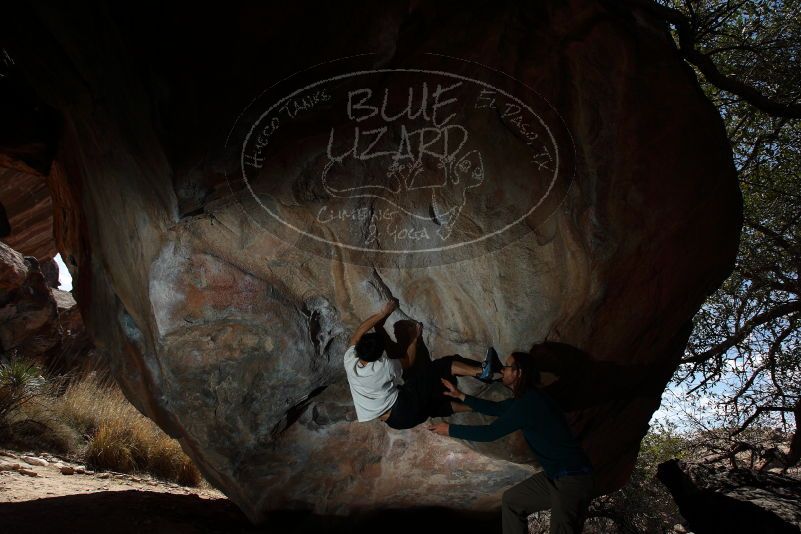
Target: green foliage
<point>89,419</point>
<point>643,505</point>
<point>662,443</point>
<point>745,351</point>
<point>20,381</point>
<point>27,419</point>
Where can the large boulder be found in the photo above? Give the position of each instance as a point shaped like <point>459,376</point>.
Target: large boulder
<point>713,498</point>
<point>586,195</point>
<point>37,321</point>
<point>28,311</point>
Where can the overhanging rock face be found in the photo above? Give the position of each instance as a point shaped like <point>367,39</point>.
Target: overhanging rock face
<point>558,174</point>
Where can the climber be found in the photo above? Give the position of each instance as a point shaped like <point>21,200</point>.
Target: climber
<point>393,385</point>
<point>566,483</point>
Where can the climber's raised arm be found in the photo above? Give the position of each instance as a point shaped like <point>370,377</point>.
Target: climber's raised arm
<point>408,357</point>
<point>378,317</point>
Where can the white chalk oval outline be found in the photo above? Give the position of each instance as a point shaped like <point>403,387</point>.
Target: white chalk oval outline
<point>417,71</point>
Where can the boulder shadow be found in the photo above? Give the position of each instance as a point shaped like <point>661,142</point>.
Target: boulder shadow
<point>404,333</point>
<point>154,512</point>
<point>586,382</point>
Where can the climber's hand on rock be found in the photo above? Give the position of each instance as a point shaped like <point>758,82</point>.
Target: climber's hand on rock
<point>451,391</point>
<point>418,330</point>
<point>439,428</point>
<point>391,305</point>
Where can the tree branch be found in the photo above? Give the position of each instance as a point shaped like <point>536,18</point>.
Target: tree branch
<point>757,413</point>
<point>760,319</point>
<point>775,237</point>
<point>686,46</point>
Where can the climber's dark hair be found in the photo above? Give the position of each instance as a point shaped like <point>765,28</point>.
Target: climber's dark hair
<point>529,373</point>
<point>370,347</point>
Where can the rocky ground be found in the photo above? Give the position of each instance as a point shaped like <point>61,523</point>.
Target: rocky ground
<point>43,493</point>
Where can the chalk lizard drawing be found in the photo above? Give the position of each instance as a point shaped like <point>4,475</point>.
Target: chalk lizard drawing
<point>408,179</point>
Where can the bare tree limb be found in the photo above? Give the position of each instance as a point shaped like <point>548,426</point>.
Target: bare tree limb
<point>774,349</point>
<point>760,319</point>
<point>757,413</point>
<point>748,383</point>
<point>774,236</point>
<point>686,45</point>
<point>761,140</point>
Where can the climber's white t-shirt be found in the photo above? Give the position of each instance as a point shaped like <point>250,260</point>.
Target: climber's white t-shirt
<point>374,387</point>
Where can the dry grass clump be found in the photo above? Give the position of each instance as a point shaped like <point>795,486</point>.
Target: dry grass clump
<point>91,399</point>
<point>167,460</point>
<point>37,425</point>
<point>28,416</point>
<point>119,437</point>
<point>90,419</point>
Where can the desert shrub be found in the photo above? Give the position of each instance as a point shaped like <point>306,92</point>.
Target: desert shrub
<point>111,448</point>
<point>166,460</point>
<point>92,399</point>
<point>89,418</point>
<point>27,416</point>
<point>20,381</point>
<point>644,504</point>
<point>119,437</point>
<point>37,425</point>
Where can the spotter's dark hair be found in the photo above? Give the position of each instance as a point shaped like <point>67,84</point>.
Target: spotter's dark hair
<point>529,373</point>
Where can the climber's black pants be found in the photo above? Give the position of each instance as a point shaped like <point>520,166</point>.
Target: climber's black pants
<point>421,395</point>
<point>568,498</point>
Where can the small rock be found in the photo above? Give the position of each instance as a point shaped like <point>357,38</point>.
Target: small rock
<point>67,470</point>
<point>134,479</point>
<point>29,472</point>
<point>33,460</point>
<point>103,475</point>
<point>80,470</point>
<point>89,472</point>
<point>8,466</point>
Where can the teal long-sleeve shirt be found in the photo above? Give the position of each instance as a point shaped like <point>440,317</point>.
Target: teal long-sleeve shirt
<point>543,424</point>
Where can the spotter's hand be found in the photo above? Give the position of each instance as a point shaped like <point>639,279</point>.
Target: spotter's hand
<point>439,428</point>
<point>451,390</point>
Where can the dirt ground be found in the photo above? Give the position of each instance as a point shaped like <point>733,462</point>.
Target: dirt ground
<point>107,502</point>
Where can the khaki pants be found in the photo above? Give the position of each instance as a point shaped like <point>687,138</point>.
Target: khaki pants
<point>568,498</point>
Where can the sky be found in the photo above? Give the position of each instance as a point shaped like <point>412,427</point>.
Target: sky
<point>678,408</point>
<point>688,411</point>
<point>64,277</point>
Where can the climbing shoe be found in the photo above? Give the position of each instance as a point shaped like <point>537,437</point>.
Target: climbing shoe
<point>492,364</point>
<point>496,364</point>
